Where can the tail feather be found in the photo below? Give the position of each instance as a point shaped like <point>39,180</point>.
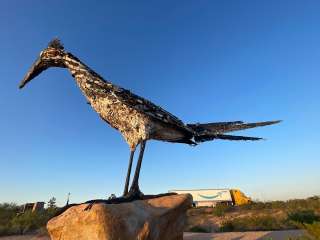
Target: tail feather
<point>204,138</point>
<point>210,131</point>
<point>222,127</point>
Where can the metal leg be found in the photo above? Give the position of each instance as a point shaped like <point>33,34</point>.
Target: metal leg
<point>135,183</point>
<point>126,187</point>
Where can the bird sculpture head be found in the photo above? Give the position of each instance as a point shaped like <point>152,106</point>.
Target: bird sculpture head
<point>52,56</point>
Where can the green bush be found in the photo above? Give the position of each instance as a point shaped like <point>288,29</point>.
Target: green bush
<point>303,216</point>
<point>255,223</point>
<point>255,206</point>
<point>7,212</point>
<point>228,226</point>
<point>264,205</point>
<point>312,203</point>
<point>13,222</point>
<point>221,209</point>
<point>198,229</point>
<point>4,230</point>
<point>29,221</point>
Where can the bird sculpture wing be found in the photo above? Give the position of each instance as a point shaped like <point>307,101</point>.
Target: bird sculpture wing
<point>145,106</point>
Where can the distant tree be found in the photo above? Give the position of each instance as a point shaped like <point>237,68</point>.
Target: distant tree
<point>52,203</point>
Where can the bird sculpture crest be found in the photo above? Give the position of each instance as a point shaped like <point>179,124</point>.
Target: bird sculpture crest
<point>136,118</point>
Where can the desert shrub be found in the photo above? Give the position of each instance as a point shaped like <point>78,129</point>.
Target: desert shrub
<point>198,229</point>
<point>300,213</point>
<point>42,232</point>
<point>4,230</point>
<point>278,204</point>
<point>255,206</point>
<point>13,222</point>
<point>312,203</point>
<point>228,226</point>
<point>303,216</point>
<point>313,230</point>
<point>273,215</point>
<point>264,205</point>
<point>221,209</point>
<point>7,212</point>
<point>28,221</point>
<point>255,223</point>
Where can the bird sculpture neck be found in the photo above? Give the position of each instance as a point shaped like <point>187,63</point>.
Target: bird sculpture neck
<point>90,83</point>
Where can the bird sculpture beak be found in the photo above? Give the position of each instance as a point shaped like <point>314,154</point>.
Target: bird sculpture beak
<point>34,71</point>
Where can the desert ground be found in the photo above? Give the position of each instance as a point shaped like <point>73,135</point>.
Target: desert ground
<point>258,235</point>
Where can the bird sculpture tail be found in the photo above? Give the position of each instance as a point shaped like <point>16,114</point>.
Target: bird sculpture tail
<point>211,131</point>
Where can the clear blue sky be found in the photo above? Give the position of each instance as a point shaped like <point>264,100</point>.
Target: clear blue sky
<point>201,60</point>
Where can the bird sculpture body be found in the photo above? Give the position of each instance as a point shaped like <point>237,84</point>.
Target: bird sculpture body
<point>136,118</point>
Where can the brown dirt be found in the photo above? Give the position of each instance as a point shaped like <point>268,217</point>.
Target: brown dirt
<point>263,235</point>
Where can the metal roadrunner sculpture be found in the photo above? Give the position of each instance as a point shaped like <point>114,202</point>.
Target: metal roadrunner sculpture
<point>136,118</point>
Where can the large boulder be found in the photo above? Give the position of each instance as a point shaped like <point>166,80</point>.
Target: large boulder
<point>160,218</point>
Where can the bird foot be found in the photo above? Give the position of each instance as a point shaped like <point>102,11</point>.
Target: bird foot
<point>92,202</point>
<point>131,196</point>
<point>134,194</point>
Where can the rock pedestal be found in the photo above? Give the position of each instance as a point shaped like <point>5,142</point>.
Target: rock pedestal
<point>160,218</point>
